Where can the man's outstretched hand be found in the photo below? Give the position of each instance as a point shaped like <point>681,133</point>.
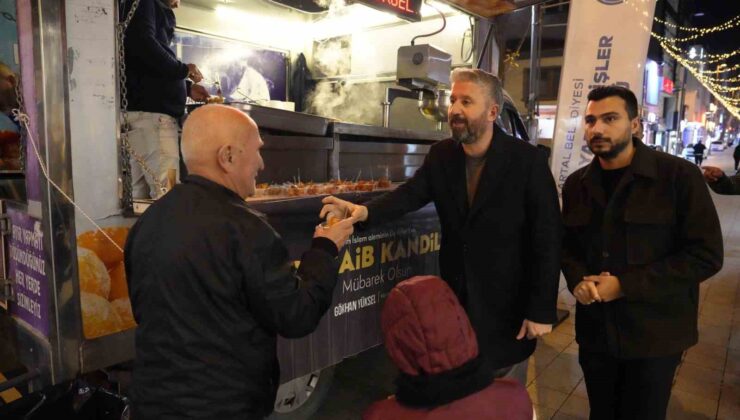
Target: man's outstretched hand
<point>342,209</point>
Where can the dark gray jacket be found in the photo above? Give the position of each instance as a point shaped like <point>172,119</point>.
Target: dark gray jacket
<point>660,235</point>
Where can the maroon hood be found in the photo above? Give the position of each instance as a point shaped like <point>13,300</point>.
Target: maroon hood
<point>425,328</point>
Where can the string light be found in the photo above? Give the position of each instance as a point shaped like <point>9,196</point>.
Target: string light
<point>727,25</point>
<point>717,86</point>
<point>728,102</point>
<point>724,69</point>
<point>713,58</point>
<point>716,58</point>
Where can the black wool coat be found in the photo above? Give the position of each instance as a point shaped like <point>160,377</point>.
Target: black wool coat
<point>501,255</point>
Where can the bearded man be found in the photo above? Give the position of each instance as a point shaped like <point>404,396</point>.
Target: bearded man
<point>500,218</point>
<point>641,233</point>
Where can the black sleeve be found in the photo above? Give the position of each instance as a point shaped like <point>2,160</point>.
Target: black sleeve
<point>546,232</point>
<point>701,251</point>
<point>573,261</point>
<point>727,185</point>
<point>284,300</point>
<point>141,43</point>
<point>411,195</point>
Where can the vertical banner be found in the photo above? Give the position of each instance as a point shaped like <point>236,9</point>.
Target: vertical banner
<point>606,44</point>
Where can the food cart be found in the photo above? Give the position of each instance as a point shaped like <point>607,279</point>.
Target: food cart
<point>64,307</point>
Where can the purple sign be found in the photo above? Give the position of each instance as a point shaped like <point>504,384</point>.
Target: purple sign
<point>27,269</point>
<point>25,40</point>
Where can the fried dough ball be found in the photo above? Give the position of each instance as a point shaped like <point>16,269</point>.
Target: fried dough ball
<point>98,316</point>
<point>94,277</point>
<point>122,307</point>
<point>98,243</point>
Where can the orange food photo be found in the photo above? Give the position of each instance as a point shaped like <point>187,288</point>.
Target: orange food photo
<point>102,246</point>
<point>118,285</point>
<point>98,316</point>
<point>94,277</point>
<point>122,307</point>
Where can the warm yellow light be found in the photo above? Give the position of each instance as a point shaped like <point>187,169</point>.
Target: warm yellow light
<point>728,102</point>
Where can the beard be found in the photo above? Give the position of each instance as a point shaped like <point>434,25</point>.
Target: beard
<point>616,146</point>
<point>470,131</point>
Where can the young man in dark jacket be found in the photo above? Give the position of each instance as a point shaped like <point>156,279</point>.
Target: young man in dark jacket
<point>212,285</point>
<point>501,227</point>
<point>641,234</point>
<point>157,86</point>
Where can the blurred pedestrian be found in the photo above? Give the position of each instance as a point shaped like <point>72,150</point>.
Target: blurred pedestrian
<point>699,149</point>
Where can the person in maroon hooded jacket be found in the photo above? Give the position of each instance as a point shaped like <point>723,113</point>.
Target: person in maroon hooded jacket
<point>429,338</point>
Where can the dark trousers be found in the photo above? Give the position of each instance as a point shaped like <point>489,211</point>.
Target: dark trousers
<point>636,389</point>
<point>698,159</point>
<point>737,161</point>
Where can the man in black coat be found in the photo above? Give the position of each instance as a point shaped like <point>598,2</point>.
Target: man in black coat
<point>212,285</point>
<point>501,226</point>
<point>641,233</point>
<point>699,149</point>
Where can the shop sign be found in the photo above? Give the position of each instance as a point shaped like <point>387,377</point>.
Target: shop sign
<point>667,85</point>
<point>405,9</point>
<point>653,83</point>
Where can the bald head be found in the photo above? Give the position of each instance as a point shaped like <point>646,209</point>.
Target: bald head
<point>222,144</point>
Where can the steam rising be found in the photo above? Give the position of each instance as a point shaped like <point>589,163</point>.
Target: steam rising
<point>332,5</point>
<point>348,102</point>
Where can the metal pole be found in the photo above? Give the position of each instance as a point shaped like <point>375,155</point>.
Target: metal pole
<point>484,50</point>
<point>681,110</point>
<point>534,73</point>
